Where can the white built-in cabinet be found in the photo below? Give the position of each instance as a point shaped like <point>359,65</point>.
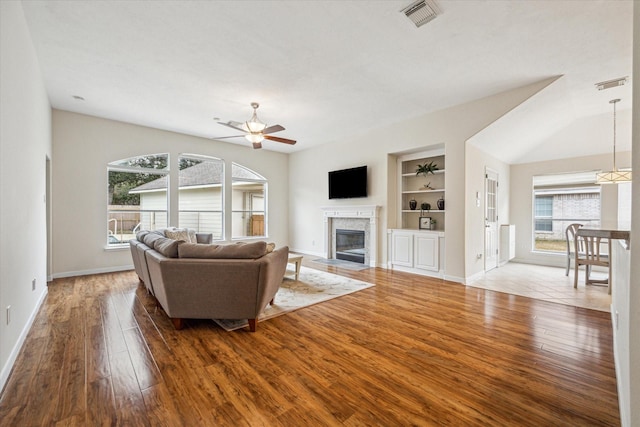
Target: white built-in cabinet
<point>413,248</point>
<point>416,251</point>
<point>507,243</point>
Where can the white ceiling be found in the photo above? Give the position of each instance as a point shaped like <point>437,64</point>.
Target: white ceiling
<point>328,70</point>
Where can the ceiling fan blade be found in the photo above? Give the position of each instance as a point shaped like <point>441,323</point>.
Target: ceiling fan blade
<point>227,137</point>
<point>233,125</point>
<point>277,139</point>
<point>273,129</point>
<point>257,145</point>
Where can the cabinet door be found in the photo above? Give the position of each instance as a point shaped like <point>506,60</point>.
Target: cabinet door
<point>427,252</point>
<point>402,252</point>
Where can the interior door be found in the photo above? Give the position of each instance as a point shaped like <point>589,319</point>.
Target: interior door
<point>490,219</point>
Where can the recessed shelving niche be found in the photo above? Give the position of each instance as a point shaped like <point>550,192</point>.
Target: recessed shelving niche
<point>412,187</point>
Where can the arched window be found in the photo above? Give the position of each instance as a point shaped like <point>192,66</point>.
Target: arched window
<point>249,203</point>
<point>137,196</point>
<point>200,195</point>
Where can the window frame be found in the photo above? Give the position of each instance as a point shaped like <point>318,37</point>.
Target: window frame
<point>562,186</point>
<point>221,185</point>
<point>259,179</point>
<point>116,166</point>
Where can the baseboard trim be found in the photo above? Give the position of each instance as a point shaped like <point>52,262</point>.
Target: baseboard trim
<point>92,271</point>
<point>479,275</point>
<point>8,367</point>
<point>455,279</point>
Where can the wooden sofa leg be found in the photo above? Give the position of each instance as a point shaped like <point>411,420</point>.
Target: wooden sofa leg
<point>253,324</point>
<point>178,323</point>
<point>272,301</point>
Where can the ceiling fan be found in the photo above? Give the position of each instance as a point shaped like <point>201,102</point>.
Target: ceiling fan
<point>256,131</point>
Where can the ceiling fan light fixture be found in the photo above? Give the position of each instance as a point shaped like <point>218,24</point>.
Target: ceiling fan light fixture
<point>614,176</point>
<point>254,137</point>
<point>254,125</point>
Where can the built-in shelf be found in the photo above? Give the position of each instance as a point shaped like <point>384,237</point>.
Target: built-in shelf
<point>414,174</point>
<point>411,187</point>
<point>441,190</point>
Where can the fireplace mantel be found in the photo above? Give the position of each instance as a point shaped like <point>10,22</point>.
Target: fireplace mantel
<point>364,212</point>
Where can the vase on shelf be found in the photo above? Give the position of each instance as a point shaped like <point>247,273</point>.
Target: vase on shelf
<point>413,204</point>
<point>441,204</point>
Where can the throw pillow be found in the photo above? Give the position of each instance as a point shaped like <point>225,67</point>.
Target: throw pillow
<point>140,235</point>
<point>167,247</point>
<point>181,234</point>
<point>270,247</point>
<point>149,238</point>
<point>238,251</point>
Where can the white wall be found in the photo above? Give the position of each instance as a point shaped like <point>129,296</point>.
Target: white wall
<point>82,147</point>
<point>477,162</point>
<point>521,201</point>
<point>626,303</point>
<point>451,127</point>
<point>25,144</point>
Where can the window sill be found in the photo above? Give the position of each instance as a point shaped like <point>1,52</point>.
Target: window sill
<point>252,238</point>
<point>551,253</point>
<point>120,247</point>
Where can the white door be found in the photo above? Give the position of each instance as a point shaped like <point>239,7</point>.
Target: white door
<point>426,250</point>
<point>490,219</point>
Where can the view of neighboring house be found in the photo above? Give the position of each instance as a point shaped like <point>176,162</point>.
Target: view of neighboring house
<point>201,203</point>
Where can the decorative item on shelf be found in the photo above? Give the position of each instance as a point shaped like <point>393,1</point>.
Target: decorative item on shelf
<point>413,204</point>
<point>425,206</point>
<point>426,169</point>
<point>441,204</point>
<point>424,223</point>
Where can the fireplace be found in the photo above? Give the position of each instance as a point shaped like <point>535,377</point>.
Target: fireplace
<point>350,245</point>
<point>362,219</point>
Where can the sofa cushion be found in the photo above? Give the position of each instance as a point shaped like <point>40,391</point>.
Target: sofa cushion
<point>188,236</point>
<point>149,238</point>
<point>140,235</point>
<point>167,247</point>
<point>237,250</point>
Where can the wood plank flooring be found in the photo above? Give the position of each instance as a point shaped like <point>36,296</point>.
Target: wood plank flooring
<point>409,351</point>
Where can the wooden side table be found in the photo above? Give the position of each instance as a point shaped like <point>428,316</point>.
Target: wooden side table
<point>296,260</point>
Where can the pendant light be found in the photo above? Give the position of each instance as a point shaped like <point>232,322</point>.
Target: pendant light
<point>614,176</point>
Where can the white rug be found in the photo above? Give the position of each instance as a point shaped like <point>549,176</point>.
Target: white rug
<point>349,265</point>
<point>313,286</point>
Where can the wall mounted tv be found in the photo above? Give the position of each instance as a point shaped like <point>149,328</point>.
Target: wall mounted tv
<point>348,183</point>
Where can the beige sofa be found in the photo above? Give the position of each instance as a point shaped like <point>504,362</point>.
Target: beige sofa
<point>208,281</point>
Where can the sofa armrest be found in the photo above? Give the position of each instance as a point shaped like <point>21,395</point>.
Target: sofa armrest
<point>272,275</point>
<point>206,238</point>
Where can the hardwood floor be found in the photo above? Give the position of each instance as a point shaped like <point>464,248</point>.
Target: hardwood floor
<point>409,351</point>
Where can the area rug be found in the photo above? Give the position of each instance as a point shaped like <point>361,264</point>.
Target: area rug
<point>312,287</point>
<point>355,266</point>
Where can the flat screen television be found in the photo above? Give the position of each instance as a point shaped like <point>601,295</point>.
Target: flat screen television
<point>348,183</point>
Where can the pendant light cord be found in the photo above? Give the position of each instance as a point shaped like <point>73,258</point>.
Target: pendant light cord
<point>614,102</point>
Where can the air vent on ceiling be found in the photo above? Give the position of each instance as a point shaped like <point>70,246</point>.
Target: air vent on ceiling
<point>421,12</point>
<point>611,83</point>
